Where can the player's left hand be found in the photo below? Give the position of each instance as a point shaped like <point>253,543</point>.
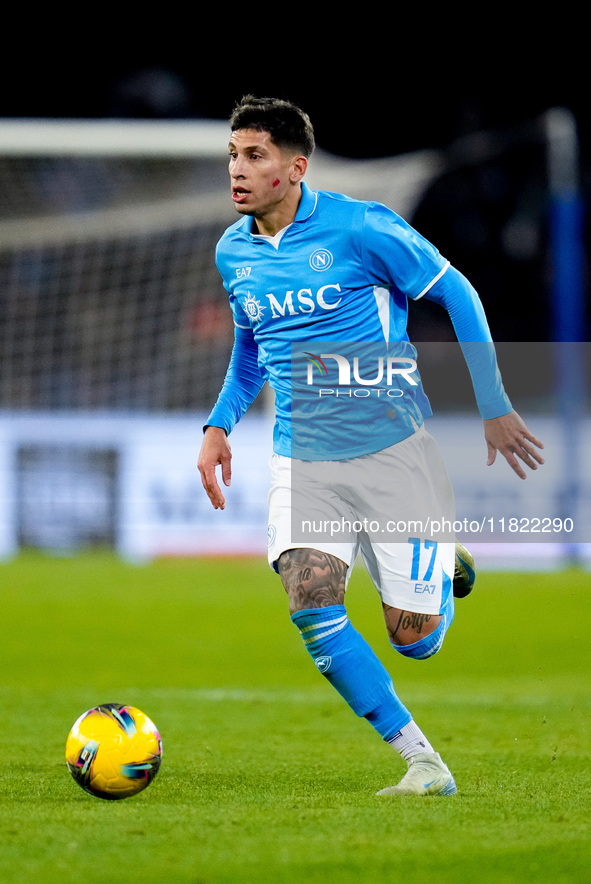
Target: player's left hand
<point>510,435</point>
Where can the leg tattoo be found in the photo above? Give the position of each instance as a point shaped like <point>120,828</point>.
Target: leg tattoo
<point>406,627</point>
<point>312,579</point>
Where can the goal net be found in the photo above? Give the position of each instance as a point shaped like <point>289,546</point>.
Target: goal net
<point>110,296</point>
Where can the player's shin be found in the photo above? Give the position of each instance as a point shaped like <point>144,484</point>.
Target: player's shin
<point>343,656</point>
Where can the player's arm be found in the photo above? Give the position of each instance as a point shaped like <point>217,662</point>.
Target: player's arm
<point>241,385</point>
<point>504,430</point>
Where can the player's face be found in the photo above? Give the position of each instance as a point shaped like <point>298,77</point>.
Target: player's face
<point>262,175</point>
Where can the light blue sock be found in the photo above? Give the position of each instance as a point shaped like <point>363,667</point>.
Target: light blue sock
<point>343,656</point>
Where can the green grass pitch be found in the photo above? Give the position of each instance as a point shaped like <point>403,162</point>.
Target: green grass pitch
<point>267,776</point>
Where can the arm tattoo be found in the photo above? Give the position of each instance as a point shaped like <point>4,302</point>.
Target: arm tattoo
<point>312,579</point>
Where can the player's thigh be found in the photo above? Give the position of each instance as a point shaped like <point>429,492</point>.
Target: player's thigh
<point>415,582</point>
<point>412,578</point>
<point>406,490</point>
<point>314,574</point>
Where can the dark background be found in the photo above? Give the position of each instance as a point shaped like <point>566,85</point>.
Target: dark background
<point>382,89</point>
<point>384,105</point>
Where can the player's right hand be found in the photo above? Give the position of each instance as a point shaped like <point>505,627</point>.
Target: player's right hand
<point>215,451</point>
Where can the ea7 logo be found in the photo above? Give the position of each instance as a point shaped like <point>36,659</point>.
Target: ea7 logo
<point>243,272</point>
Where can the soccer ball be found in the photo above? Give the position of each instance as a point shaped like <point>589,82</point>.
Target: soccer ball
<point>113,751</point>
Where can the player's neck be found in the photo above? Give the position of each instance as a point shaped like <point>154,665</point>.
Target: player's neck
<point>279,216</point>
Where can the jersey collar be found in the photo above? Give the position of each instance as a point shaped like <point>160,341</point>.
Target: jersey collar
<point>307,204</point>
<point>306,208</point>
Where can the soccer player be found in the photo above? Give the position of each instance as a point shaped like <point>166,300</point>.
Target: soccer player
<point>302,266</point>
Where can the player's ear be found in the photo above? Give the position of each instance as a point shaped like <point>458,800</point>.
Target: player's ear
<point>299,166</point>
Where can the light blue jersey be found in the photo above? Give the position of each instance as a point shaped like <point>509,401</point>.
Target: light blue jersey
<point>321,313</point>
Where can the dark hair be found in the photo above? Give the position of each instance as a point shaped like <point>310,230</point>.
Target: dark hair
<point>288,125</point>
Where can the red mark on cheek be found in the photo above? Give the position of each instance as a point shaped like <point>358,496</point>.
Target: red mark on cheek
<point>276,182</point>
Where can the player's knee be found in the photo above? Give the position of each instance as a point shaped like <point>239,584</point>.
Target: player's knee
<point>312,579</point>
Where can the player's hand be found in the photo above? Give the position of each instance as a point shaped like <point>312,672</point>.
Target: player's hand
<point>215,451</point>
<point>509,435</point>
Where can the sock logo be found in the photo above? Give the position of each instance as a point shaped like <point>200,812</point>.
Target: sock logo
<point>323,664</point>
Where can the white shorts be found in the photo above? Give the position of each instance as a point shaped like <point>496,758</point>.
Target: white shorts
<point>394,507</point>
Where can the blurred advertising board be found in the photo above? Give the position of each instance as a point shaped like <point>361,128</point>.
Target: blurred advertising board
<point>131,483</point>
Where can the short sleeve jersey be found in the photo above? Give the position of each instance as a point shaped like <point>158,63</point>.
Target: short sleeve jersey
<point>335,283</point>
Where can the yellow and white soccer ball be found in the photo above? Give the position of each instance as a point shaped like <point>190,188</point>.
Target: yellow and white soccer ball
<point>113,751</point>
